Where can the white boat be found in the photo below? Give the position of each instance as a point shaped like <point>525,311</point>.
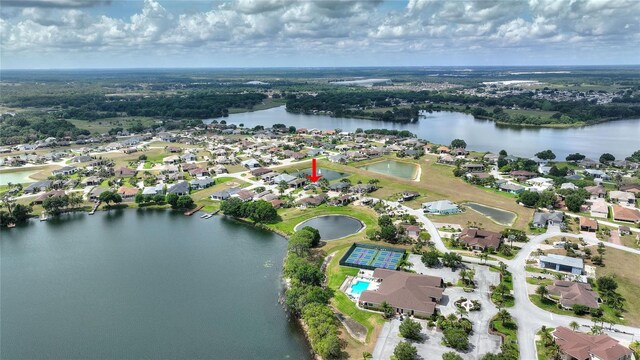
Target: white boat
<point>44,216</point>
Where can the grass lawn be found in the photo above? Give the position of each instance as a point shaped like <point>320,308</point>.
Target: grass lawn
<point>102,126</point>
<point>220,184</point>
<point>535,281</point>
<point>436,183</point>
<point>293,216</point>
<point>551,306</point>
<point>624,266</point>
<point>508,300</point>
<point>509,330</point>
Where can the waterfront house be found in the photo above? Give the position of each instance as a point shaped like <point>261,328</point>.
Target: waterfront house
<point>408,293</point>
<point>65,171</point>
<point>224,194</point>
<point>562,263</point>
<point>244,195</point>
<point>181,188</point>
<point>441,207</point>
<point>574,293</point>
<point>94,194</point>
<point>580,346</point>
<point>153,190</point>
<point>478,239</point>
<point>128,193</point>
<point>38,186</point>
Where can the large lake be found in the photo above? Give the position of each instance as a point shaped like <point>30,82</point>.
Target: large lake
<point>136,284</point>
<point>620,138</point>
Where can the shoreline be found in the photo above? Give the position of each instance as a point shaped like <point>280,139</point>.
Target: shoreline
<point>552,125</point>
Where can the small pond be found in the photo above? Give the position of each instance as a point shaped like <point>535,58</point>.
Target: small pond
<point>502,217</point>
<point>394,168</point>
<point>333,227</point>
<point>330,175</point>
<point>17,177</point>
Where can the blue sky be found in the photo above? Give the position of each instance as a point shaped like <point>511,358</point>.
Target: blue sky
<point>258,33</point>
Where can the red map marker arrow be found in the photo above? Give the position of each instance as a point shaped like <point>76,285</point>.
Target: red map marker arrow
<point>314,176</point>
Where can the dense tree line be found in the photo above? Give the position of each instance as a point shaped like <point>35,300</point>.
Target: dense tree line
<point>259,211</point>
<point>197,104</point>
<point>355,103</point>
<point>29,127</point>
<point>307,298</point>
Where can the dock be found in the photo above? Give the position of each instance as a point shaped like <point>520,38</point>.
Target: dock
<point>191,212</point>
<point>95,208</point>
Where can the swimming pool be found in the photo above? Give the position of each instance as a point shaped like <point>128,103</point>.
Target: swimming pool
<point>359,287</point>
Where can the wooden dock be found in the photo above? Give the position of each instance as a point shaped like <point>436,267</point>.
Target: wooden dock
<point>95,208</point>
<point>191,212</point>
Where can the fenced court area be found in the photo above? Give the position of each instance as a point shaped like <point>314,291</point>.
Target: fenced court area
<point>370,257</point>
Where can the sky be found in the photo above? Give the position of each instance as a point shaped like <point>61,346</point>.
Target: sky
<point>66,34</point>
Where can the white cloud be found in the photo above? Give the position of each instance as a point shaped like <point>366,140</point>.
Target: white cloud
<point>330,27</point>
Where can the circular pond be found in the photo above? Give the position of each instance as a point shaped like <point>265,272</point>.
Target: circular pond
<point>333,227</point>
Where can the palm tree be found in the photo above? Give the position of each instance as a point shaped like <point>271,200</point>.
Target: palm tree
<point>574,325</point>
<point>463,275</point>
<point>366,355</point>
<point>596,330</point>
<point>542,291</point>
<point>503,268</point>
<point>545,335</point>
<point>504,316</point>
<point>553,350</point>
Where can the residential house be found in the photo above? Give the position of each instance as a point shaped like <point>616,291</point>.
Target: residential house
<point>472,167</point>
<point>224,194</point>
<point>441,207</point>
<point>42,197</point>
<point>562,263</point>
<point>312,201</point>
<point>622,197</point>
<point>173,159</point>
<point>128,193</point>
<point>412,231</point>
<point>65,171</point>
<point>338,158</point>
<point>568,185</point>
<point>599,208</point>
<point>94,194</point>
<point>201,183</point>
<point>125,172</point>
<point>511,188</point>
<point>581,346</point>
<point>596,192</point>
<point>478,239</point>
<point>522,175</point>
<point>244,195</point>
<point>260,171</point>
<point>621,213</point>
<point>574,293</point>
<point>540,184</point>
<point>250,163</point>
<point>408,293</point>
<point>153,190</point>
<point>543,219</point>
<point>91,181</point>
<point>587,224</point>
<point>597,174</point>
<point>180,188</point>
<point>38,186</point>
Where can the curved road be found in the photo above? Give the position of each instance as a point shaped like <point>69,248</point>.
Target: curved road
<point>528,316</point>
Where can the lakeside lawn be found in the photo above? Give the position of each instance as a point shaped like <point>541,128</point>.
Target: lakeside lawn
<point>624,267</point>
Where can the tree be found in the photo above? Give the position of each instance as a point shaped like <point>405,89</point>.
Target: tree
<point>172,199</point>
<point>529,198</point>
<point>574,202</point>
<point>430,258</point>
<point>458,143</point>
<point>574,325</point>
<point>546,155</point>
<point>55,204</point>
<point>366,355</point>
<point>109,197</point>
<point>387,310</point>
<point>410,329</point>
<point>21,212</point>
<point>315,240</point>
<point>456,338</point>
<point>503,152</point>
<point>606,158</point>
<point>184,202</point>
<point>580,309</point>
<point>282,186</point>
<point>451,260</point>
<point>300,243</point>
<point>542,291</point>
<point>262,211</point>
<point>389,233</point>
<point>405,351</point>
<point>451,356</point>
<point>504,316</point>
<point>607,283</point>
<point>575,157</point>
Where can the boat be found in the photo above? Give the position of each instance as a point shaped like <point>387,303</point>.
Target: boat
<point>11,225</point>
<point>203,216</point>
<point>44,216</point>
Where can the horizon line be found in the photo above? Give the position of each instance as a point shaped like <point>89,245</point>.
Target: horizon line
<point>318,67</point>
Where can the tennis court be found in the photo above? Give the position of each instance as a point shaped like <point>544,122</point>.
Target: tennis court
<point>371,257</point>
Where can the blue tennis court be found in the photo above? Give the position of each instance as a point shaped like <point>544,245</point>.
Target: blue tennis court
<point>371,256</point>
